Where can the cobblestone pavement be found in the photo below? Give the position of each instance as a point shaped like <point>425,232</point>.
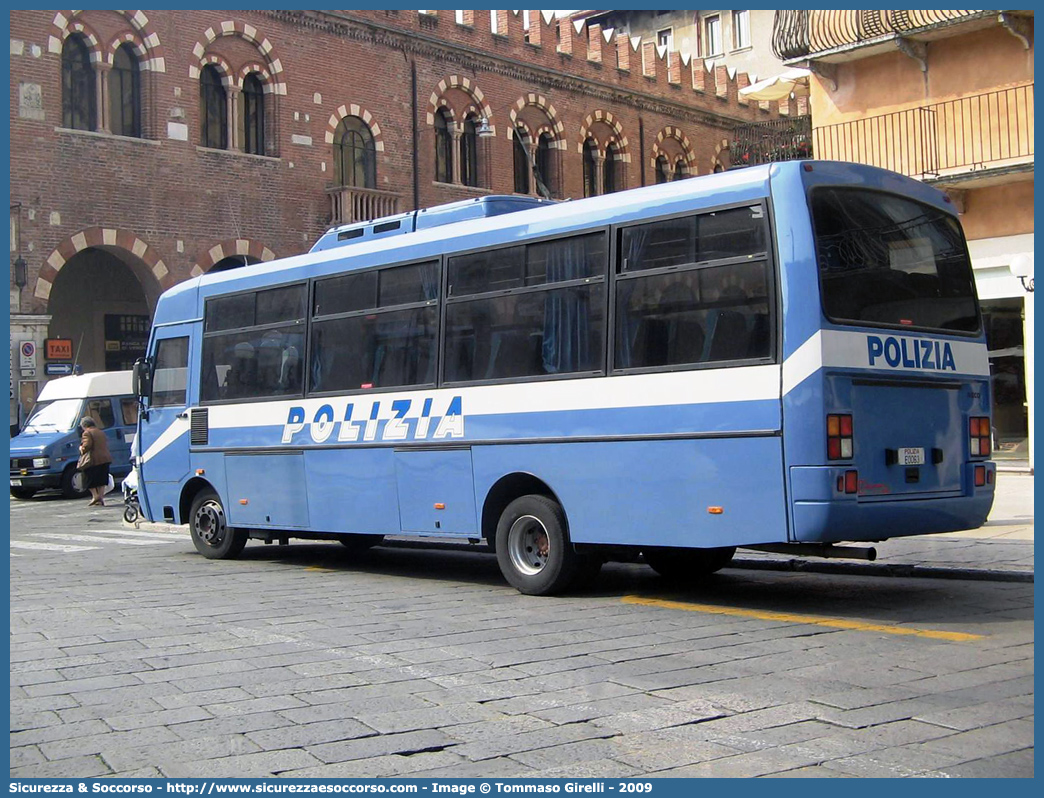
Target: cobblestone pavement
<point>133,656</point>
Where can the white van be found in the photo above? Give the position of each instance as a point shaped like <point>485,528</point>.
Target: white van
<point>45,451</point>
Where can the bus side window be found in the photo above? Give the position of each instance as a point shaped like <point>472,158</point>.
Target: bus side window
<point>244,356</point>
<point>550,321</point>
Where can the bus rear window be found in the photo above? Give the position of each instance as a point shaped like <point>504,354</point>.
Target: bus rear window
<point>886,260</point>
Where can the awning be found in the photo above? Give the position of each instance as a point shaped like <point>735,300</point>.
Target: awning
<point>779,87</point>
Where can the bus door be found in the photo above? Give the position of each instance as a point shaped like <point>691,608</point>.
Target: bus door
<point>164,425</point>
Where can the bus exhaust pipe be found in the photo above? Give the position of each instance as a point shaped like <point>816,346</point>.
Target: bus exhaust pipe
<point>826,550</point>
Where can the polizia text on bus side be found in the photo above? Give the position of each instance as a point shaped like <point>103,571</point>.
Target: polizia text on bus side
<point>578,382</point>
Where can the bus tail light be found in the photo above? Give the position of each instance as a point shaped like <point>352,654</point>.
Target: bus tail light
<point>979,434</point>
<point>849,483</point>
<point>839,437</point>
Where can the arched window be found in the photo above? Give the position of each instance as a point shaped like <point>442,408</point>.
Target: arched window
<point>521,163</point>
<point>590,173</point>
<point>661,169</point>
<point>125,93</point>
<point>469,153</point>
<point>213,105</point>
<point>253,115</point>
<point>680,172</point>
<point>78,90</point>
<point>443,148</point>
<point>609,170</point>
<point>543,166</point>
<point>355,155</point>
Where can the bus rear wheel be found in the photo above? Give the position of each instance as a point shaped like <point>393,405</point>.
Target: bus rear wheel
<point>533,548</point>
<point>685,564</point>
<point>357,544</point>
<point>211,534</point>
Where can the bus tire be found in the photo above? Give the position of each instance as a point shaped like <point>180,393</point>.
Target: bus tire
<point>23,493</point>
<point>211,534</point>
<point>688,564</point>
<point>357,544</point>
<point>533,548</point>
<point>71,484</point>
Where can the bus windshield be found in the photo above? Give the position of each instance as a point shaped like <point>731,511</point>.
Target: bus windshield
<point>885,260</point>
<point>60,415</point>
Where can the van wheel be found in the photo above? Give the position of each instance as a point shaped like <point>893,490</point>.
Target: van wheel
<point>688,564</point>
<point>211,535</point>
<point>533,548</point>
<point>72,483</point>
<point>23,493</point>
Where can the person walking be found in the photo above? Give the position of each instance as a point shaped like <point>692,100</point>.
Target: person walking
<point>94,461</point>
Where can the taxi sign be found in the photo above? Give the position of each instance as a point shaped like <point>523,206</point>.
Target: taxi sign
<point>58,349</point>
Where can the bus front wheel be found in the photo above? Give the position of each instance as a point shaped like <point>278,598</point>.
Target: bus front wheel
<point>684,564</point>
<point>533,548</point>
<point>211,534</point>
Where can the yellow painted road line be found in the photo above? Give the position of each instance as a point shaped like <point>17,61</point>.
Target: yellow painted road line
<point>787,617</point>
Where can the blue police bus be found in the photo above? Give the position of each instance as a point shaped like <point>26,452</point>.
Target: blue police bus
<point>786,356</point>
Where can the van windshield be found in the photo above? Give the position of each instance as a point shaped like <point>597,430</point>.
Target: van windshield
<point>61,415</point>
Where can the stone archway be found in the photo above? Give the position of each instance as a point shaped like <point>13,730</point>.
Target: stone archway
<point>101,287</point>
<point>98,303</point>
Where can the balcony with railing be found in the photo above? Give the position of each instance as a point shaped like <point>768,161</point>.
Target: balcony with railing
<point>785,139</point>
<point>800,34</point>
<point>963,141</point>
<point>352,204</point>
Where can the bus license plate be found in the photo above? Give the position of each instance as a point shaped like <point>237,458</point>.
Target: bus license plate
<point>911,456</point>
<point>16,483</point>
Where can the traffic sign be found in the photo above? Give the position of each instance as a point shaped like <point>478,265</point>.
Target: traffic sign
<point>27,350</point>
<point>58,369</point>
<point>58,348</point>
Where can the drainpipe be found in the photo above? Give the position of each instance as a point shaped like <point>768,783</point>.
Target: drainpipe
<point>416,137</point>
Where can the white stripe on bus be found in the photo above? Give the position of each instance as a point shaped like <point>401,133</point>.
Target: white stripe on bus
<point>178,427</point>
<point>711,386</point>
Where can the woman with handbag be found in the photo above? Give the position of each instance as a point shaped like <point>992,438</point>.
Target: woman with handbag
<point>94,461</point>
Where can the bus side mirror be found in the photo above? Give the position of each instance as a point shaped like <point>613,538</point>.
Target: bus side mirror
<point>141,380</point>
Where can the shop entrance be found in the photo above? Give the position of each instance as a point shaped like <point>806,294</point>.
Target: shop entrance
<point>1004,337</point>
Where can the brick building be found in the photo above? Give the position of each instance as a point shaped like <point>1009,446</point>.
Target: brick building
<point>151,146</point>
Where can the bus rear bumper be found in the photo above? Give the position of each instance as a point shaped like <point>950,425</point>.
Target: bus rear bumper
<point>822,515</point>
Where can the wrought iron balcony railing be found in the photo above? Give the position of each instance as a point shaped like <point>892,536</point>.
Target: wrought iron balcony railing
<point>803,33</point>
<point>983,131</point>
<point>783,139</point>
<point>351,204</point>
